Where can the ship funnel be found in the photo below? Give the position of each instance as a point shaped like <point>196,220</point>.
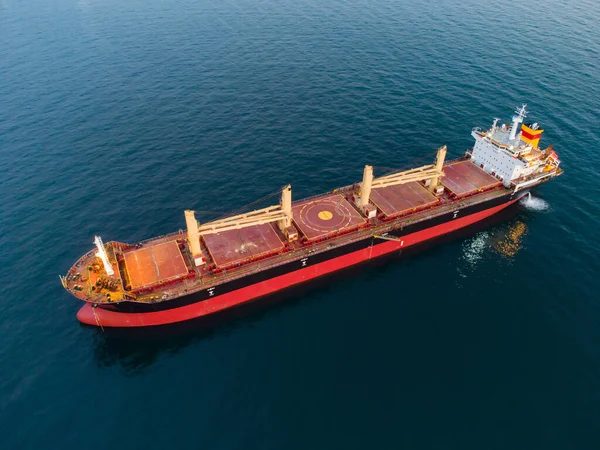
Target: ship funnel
<point>521,113</point>
<point>531,134</point>
<point>101,253</point>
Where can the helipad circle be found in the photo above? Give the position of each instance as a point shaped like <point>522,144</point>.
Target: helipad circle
<point>325,215</point>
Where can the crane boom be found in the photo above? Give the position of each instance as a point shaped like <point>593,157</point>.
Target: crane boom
<point>282,214</point>
<point>431,172</point>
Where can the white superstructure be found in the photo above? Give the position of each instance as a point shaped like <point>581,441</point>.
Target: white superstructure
<point>511,153</point>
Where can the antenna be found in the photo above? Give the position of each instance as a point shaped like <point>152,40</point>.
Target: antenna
<point>101,253</point>
<point>495,124</point>
<point>521,113</point>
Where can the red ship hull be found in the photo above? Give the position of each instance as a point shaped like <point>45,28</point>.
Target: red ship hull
<point>98,316</point>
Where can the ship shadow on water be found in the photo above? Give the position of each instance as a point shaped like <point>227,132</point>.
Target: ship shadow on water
<point>136,349</point>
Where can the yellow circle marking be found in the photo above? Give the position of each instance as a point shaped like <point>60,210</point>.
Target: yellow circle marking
<point>325,215</point>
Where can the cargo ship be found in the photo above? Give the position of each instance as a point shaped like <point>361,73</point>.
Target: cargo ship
<point>217,265</point>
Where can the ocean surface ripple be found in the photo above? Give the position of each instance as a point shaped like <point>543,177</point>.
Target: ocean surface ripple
<point>115,116</point>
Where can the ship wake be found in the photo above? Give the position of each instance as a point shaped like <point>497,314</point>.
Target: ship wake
<point>534,203</point>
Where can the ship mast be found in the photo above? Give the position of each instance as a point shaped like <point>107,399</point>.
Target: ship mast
<point>193,234</point>
<point>101,253</point>
<point>521,113</point>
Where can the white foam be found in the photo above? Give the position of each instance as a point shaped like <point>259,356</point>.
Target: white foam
<point>473,250</point>
<point>534,203</point>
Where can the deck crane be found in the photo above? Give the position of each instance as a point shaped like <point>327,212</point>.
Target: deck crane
<point>282,214</point>
<point>430,173</point>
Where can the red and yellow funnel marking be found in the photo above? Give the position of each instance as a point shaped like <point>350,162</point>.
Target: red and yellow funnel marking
<point>531,136</point>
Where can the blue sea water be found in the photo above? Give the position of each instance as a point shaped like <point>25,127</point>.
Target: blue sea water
<point>115,116</point>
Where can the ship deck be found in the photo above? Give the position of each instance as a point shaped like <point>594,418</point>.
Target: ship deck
<point>464,177</point>
<point>160,268</point>
<point>170,266</point>
<point>154,264</point>
<point>233,247</point>
<point>321,217</point>
<point>400,199</point>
